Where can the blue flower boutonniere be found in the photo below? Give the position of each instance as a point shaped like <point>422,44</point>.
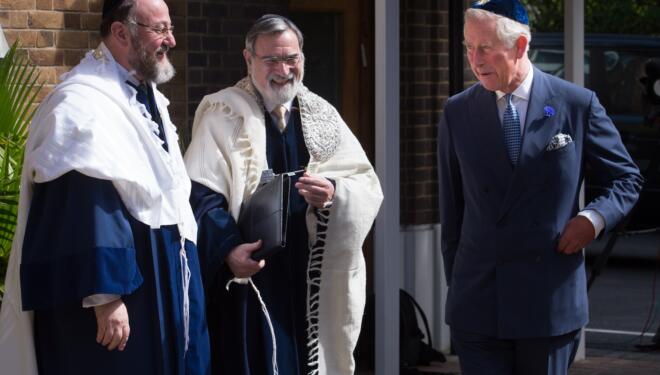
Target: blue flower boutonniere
<point>548,111</point>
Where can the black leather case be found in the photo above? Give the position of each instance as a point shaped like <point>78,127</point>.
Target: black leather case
<point>264,216</point>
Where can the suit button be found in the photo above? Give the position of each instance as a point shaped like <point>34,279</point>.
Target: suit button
<point>486,190</point>
<point>538,258</point>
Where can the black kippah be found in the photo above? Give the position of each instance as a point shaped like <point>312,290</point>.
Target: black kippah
<point>109,6</point>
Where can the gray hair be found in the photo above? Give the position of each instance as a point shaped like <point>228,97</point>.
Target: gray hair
<point>271,24</point>
<point>508,31</point>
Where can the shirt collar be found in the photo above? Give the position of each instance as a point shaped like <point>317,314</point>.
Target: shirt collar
<point>271,106</point>
<point>524,90</point>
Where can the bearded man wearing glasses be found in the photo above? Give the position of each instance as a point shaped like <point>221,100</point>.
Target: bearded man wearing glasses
<point>299,311</point>
<point>106,236</point>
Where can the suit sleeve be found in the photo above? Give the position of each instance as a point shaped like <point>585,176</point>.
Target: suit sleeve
<point>613,170</point>
<point>451,196</point>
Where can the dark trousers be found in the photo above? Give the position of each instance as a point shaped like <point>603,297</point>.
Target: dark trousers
<point>484,355</point>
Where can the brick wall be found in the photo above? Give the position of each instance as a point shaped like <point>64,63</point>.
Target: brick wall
<point>175,90</point>
<point>208,57</point>
<point>55,34</point>
<point>424,90</point>
<point>216,38</point>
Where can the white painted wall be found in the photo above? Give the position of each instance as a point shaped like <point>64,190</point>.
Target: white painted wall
<point>424,278</point>
<point>387,237</point>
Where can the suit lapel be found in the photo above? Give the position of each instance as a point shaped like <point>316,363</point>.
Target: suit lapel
<point>489,138</point>
<point>536,134</point>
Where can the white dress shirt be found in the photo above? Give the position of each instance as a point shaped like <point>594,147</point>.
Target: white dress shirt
<point>270,107</point>
<point>520,100</point>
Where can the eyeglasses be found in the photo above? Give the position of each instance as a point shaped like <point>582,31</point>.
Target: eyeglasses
<point>271,61</point>
<point>158,30</point>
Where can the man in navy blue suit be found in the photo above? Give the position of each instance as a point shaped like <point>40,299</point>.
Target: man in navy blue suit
<point>512,156</point>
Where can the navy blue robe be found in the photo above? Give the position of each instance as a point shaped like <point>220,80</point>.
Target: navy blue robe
<point>80,240</point>
<point>240,337</point>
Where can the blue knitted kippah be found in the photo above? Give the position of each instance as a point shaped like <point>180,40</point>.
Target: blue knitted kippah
<point>512,9</point>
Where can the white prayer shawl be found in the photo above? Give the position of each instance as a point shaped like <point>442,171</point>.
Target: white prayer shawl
<point>93,123</point>
<point>228,153</point>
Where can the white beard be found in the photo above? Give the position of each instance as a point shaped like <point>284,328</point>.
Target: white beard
<point>277,95</point>
<point>146,63</point>
<point>164,72</point>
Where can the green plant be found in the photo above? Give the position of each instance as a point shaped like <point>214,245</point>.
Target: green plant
<point>18,90</point>
<point>617,17</point>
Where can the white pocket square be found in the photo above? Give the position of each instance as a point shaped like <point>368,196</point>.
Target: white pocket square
<point>560,140</point>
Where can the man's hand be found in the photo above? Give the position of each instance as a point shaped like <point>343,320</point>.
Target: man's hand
<point>577,234</point>
<point>112,325</point>
<point>239,260</point>
<point>315,190</point>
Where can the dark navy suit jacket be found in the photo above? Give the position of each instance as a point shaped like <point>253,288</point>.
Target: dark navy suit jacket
<point>501,224</point>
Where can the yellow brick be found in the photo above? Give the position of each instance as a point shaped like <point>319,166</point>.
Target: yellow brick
<point>72,21</point>
<point>19,20</point>
<point>71,39</point>
<point>47,75</point>
<point>26,38</point>
<point>91,21</point>
<point>13,19</point>
<point>45,39</point>
<point>72,56</point>
<point>46,20</point>
<point>22,54</point>
<point>75,5</point>
<point>17,4</point>
<point>45,90</point>
<point>44,4</point>
<point>46,57</point>
<point>94,39</point>
<point>59,70</point>
<point>5,19</point>
<point>96,6</point>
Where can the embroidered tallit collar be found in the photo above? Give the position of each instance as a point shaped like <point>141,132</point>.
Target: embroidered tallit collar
<point>320,120</point>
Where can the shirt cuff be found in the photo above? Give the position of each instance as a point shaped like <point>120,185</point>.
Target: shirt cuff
<point>596,220</point>
<point>99,299</point>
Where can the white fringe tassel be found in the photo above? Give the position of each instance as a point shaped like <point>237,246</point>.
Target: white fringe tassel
<point>185,282</point>
<point>264,309</point>
<point>314,280</point>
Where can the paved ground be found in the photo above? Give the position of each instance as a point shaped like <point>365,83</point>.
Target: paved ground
<point>624,311</point>
<point>617,362</point>
<point>597,363</point>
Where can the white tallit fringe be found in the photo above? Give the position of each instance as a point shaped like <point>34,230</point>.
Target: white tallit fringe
<point>185,283</point>
<point>264,309</point>
<point>217,158</point>
<point>314,266</point>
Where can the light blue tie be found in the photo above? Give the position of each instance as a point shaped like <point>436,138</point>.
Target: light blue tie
<point>511,127</point>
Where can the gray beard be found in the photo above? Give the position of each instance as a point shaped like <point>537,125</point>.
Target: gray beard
<point>147,66</point>
<point>278,96</point>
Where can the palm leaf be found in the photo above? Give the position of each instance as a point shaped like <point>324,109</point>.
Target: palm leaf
<point>18,92</point>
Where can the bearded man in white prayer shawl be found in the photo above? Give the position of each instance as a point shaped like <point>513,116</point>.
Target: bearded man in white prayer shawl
<point>104,276</point>
<point>312,290</point>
